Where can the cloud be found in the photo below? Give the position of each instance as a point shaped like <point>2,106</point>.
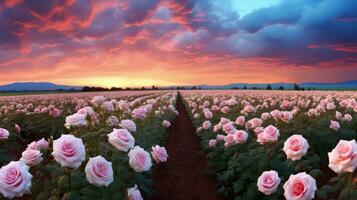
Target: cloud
<point>177,34</point>
<point>138,10</point>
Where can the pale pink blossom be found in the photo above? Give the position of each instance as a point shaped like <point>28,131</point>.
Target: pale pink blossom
<point>159,154</point>
<point>99,171</point>
<point>212,143</point>
<point>240,121</point>
<point>295,147</point>
<point>334,125</point>
<point>15,179</point>
<point>268,182</point>
<point>269,134</point>
<point>343,158</point>
<point>300,187</point>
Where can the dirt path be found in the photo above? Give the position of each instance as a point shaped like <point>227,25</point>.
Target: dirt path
<point>184,176</point>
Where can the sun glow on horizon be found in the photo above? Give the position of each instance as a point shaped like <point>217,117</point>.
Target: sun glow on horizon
<point>117,81</point>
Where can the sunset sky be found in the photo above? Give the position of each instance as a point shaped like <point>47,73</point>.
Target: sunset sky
<point>177,42</point>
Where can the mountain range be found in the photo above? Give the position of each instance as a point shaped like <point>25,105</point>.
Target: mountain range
<point>36,86</point>
<point>47,86</point>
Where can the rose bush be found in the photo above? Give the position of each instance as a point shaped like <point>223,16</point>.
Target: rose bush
<point>295,134</point>
<point>75,146</point>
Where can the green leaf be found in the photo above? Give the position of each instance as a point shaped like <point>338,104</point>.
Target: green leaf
<point>322,194</point>
<point>334,179</point>
<point>328,188</point>
<point>315,173</point>
<point>62,183</point>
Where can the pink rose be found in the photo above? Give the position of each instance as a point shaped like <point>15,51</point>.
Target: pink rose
<point>265,116</point>
<point>334,125</point>
<point>112,121</point>
<point>295,147</point>
<point>99,171</point>
<point>54,112</point>
<point>206,103</point>
<point>166,124</point>
<point>224,121</point>
<point>212,143</point>
<point>220,137</point>
<point>249,109</point>
<point>240,136</point>
<point>214,108</point>
<point>121,139</point>
<point>229,140</point>
<point>206,124</point>
<point>42,144</point>
<point>69,151</point>
<point>229,128</point>
<point>343,158</point>
<point>269,134</point>
<point>338,115</point>
<point>232,102</point>
<point>98,100</point>
<point>4,134</point>
<point>300,187</point>
<point>128,125</point>
<point>15,179</point>
<point>148,108</point>
<point>139,159</point>
<point>258,130</point>
<point>275,114</point>
<point>123,106</point>
<point>268,182</point>
<point>31,157</point>
<point>134,194</point>
<point>286,116</point>
<point>343,103</point>
<point>76,120</point>
<point>347,118</point>
<point>330,106</point>
<point>107,106</point>
<point>217,127</point>
<point>240,121</point>
<point>225,109</point>
<point>38,145</point>
<point>254,123</point>
<point>86,111</point>
<point>208,114</point>
<point>139,113</point>
<point>32,146</point>
<point>159,154</point>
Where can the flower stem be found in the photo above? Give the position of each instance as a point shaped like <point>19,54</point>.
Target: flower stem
<point>69,179</point>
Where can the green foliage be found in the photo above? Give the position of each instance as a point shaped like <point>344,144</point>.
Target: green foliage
<point>51,181</point>
<point>238,167</point>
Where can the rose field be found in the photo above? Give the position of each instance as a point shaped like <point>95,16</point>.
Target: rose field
<point>189,144</point>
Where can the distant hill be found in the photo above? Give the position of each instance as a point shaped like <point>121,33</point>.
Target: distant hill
<point>47,86</point>
<point>348,85</point>
<point>36,86</point>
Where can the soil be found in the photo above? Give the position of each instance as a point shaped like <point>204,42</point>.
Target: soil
<point>183,176</point>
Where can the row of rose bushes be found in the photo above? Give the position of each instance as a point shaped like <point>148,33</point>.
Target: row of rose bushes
<point>83,148</point>
<point>276,145</point>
